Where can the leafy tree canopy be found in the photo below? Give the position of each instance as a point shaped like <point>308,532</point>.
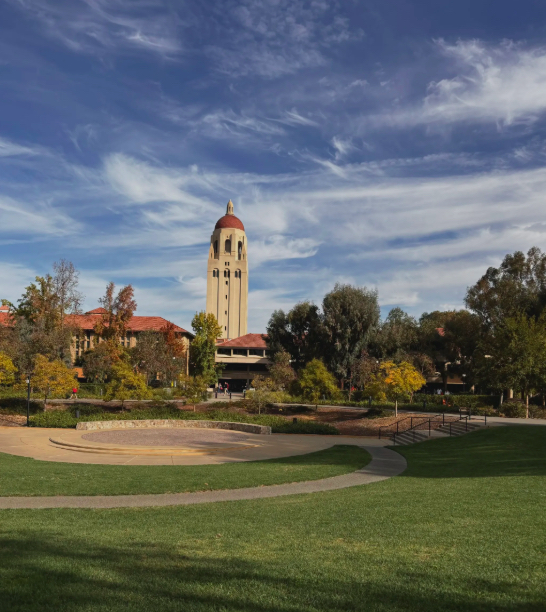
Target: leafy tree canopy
<point>203,347</point>
<point>350,314</point>
<point>298,333</point>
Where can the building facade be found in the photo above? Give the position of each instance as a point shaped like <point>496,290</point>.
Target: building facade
<point>242,359</point>
<point>85,337</point>
<point>227,275</point>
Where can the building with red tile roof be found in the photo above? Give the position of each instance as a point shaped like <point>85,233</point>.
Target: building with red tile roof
<point>88,338</point>
<point>243,359</point>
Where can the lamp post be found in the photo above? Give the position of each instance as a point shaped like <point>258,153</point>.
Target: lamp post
<point>28,400</point>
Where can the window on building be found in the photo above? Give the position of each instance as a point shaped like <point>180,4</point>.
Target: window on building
<point>256,352</point>
<point>228,246</point>
<point>240,250</point>
<point>215,248</point>
<point>227,282</point>
<point>226,312</point>
<point>242,352</point>
<point>223,351</point>
<point>257,367</point>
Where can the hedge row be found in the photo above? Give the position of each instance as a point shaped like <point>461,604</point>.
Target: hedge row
<point>67,418</point>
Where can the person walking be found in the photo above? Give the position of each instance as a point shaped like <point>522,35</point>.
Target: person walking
<point>74,393</point>
<point>226,388</point>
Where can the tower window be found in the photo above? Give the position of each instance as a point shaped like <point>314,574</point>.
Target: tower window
<point>215,248</point>
<point>240,249</point>
<point>227,282</point>
<point>228,246</point>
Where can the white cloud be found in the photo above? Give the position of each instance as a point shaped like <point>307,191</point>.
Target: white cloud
<point>281,247</point>
<point>34,220</point>
<point>10,149</point>
<point>94,26</point>
<point>504,85</point>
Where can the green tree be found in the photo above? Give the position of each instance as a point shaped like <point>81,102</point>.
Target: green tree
<point>98,362</point>
<point>314,382</point>
<point>350,314</point>
<point>41,318</point>
<point>281,371</point>
<point>396,337</point>
<point>517,286</point>
<point>298,333</point>
<point>203,347</point>
<point>263,393</point>
<point>126,384</point>
<point>515,355</point>
<point>195,388</point>
<point>7,370</point>
<point>52,378</point>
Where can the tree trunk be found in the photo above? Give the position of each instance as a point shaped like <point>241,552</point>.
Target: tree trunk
<point>527,406</point>
<point>396,407</point>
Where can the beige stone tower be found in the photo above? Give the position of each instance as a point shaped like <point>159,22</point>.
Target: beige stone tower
<point>227,275</point>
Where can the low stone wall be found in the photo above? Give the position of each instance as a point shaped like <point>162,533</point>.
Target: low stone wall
<point>173,423</point>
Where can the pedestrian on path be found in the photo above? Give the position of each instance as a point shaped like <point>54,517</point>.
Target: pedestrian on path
<point>74,393</point>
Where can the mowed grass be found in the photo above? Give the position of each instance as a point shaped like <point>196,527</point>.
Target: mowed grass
<point>463,529</point>
<point>24,476</point>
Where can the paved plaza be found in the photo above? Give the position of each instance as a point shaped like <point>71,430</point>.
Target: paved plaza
<point>163,446</point>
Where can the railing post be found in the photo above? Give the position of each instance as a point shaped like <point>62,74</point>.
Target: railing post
<point>397,426</point>
<point>443,418</point>
<point>466,428</point>
<point>485,417</point>
<point>429,428</point>
<point>411,422</point>
<point>450,429</point>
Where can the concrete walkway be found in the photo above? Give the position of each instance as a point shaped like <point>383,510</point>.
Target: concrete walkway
<point>384,464</point>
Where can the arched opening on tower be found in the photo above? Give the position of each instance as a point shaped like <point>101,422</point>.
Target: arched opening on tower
<point>240,250</point>
<point>228,246</point>
<point>216,248</point>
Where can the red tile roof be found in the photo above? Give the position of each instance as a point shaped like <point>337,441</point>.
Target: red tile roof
<point>97,311</point>
<point>248,341</point>
<point>137,324</point>
<point>229,221</point>
<point>88,321</point>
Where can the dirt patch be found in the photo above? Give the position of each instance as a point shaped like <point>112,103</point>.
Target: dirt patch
<point>12,420</point>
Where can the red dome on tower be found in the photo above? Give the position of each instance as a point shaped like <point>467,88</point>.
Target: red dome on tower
<point>229,220</point>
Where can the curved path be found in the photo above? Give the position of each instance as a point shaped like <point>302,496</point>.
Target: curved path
<point>384,464</point>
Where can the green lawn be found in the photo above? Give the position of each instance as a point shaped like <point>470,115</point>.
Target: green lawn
<point>23,476</point>
<point>462,529</point>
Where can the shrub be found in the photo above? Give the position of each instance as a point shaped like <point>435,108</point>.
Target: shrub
<point>514,410</point>
<point>67,419</point>
<point>18,405</point>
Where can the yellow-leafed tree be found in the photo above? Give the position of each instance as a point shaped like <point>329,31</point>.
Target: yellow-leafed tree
<point>401,380</point>
<point>7,370</point>
<point>126,384</point>
<point>52,378</point>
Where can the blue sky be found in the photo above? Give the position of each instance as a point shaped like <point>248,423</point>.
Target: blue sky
<point>387,143</point>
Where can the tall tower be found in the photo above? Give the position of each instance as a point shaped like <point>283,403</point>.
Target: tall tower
<point>227,275</point>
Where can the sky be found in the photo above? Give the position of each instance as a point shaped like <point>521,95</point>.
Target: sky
<point>393,144</point>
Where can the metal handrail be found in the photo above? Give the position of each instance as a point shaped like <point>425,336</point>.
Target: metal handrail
<point>430,421</point>
<point>397,423</point>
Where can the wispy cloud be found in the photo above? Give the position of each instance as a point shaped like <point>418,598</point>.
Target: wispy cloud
<point>504,85</point>
<point>274,38</point>
<point>90,26</point>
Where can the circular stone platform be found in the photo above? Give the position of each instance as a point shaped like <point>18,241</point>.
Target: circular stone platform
<point>172,438</point>
<point>159,441</point>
